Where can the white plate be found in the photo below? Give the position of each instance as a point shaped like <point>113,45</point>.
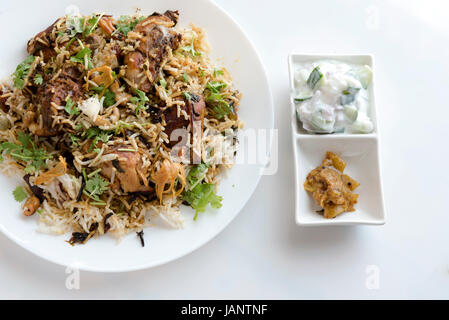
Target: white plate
<point>234,50</point>
<point>361,152</point>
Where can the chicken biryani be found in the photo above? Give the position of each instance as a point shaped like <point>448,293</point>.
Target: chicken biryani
<point>112,122</point>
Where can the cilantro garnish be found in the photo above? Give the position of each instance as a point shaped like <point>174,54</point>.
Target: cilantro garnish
<point>216,86</point>
<point>109,98</point>
<point>74,139</point>
<point>26,151</point>
<point>216,100</point>
<point>122,125</point>
<point>71,108</point>
<point>38,80</point>
<point>139,101</point>
<point>96,185</point>
<point>92,24</point>
<point>218,72</point>
<point>197,174</point>
<point>186,77</point>
<point>126,24</point>
<point>80,56</point>
<point>22,72</point>
<point>75,25</point>
<point>19,194</point>
<point>97,135</point>
<point>201,196</point>
<point>191,49</point>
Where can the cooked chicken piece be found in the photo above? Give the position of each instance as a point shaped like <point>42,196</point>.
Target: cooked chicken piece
<point>153,47</point>
<point>174,122</point>
<point>108,55</point>
<point>331,189</point>
<point>169,19</point>
<point>127,172</point>
<point>67,84</point>
<point>95,42</point>
<point>43,41</point>
<point>195,108</point>
<point>134,71</point>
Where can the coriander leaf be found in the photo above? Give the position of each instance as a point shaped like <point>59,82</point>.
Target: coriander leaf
<point>109,98</point>
<point>96,90</point>
<point>191,49</point>
<point>75,25</point>
<point>314,77</point>
<point>122,125</point>
<point>19,194</point>
<point>126,24</point>
<point>218,72</point>
<point>139,101</point>
<point>197,174</point>
<point>216,86</point>
<point>97,135</point>
<point>26,151</point>
<point>74,139</point>
<point>92,132</point>
<point>215,100</point>
<point>22,72</point>
<point>201,70</point>
<point>222,109</point>
<point>186,77</point>
<point>71,108</point>
<point>38,79</point>
<point>95,187</point>
<point>79,57</point>
<point>24,139</point>
<point>92,24</point>
<point>201,196</point>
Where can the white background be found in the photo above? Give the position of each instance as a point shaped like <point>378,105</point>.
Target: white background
<point>262,253</point>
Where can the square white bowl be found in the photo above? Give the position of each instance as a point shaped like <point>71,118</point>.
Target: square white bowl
<point>366,59</point>
<point>361,156</point>
<point>360,151</point>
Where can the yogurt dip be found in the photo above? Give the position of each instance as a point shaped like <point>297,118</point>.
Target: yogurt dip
<point>332,96</point>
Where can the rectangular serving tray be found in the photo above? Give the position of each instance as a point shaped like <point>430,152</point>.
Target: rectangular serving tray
<point>360,151</point>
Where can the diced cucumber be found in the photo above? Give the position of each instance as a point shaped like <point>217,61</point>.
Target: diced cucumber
<point>361,126</point>
<point>303,94</point>
<point>348,95</point>
<point>314,78</point>
<point>297,100</point>
<point>351,112</point>
<point>321,124</point>
<point>365,74</point>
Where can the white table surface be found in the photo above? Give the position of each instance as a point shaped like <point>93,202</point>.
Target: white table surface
<point>262,254</point>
